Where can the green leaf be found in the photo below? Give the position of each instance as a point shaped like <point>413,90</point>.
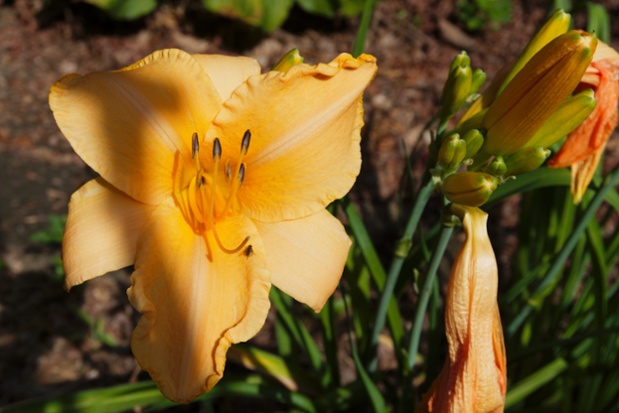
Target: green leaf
<point>125,9</point>
<point>599,21</point>
<point>517,392</point>
<point>321,7</point>
<point>266,14</point>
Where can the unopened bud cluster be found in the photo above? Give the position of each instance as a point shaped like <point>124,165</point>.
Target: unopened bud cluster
<point>508,129</point>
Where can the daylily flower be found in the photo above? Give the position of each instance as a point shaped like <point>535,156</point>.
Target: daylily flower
<point>213,183</point>
<point>473,378</point>
<point>585,145</point>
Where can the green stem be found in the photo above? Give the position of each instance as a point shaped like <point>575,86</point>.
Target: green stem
<point>396,266</point>
<point>364,27</point>
<point>426,292</point>
<point>611,181</point>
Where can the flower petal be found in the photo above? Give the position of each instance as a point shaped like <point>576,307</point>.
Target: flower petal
<point>194,307</point>
<point>306,256</point>
<point>595,131</point>
<point>305,127</point>
<point>473,379</point>
<point>227,72</point>
<point>128,124</point>
<point>101,233</point>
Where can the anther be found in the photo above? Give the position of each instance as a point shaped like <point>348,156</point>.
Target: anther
<point>228,170</point>
<point>216,149</point>
<point>241,174</point>
<point>201,182</point>
<point>245,142</point>
<point>249,250</point>
<point>195,145</point>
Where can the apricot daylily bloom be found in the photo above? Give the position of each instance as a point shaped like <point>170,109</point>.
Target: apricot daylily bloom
<point>473,378</point>
<point>213,182</point>
<point>585,145</point>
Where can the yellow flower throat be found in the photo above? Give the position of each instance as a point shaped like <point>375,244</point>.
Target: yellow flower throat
<point>206,197</point>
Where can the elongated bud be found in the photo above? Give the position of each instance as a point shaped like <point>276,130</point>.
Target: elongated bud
<point>565,119</point>
<point>458,86</point>
<point>526,160</point>
<point>497,167</point>
<point>290,59</point>
<point>474,141</point>
<point>555,26</point>
<point>479,77</point>
<point>469,188</point>
<point>538,90</point>
<point>452,152</point>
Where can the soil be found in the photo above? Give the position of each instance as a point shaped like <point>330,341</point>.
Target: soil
<point>49,341</point>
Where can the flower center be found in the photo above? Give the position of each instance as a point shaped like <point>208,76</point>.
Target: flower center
<point>209,195</point>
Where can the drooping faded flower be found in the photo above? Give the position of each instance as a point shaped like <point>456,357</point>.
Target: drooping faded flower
<point>213,182</point>
<point>585,145</point>
<point>473,378</point>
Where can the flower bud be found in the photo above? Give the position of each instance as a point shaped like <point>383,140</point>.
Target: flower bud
<point>557,24</point>
<point>497,167</point>
<point>290,59</point>
<point>469,188</point>
<point>565,119</point>
<point>452,152</point>
<point>474,141</point>
<point>457,87</point>
<point>479,77</point>
<point>526,160</point>
<point>536,92</point>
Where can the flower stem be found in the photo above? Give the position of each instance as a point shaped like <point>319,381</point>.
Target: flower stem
<point>396,266</point>
<point>435,260</point>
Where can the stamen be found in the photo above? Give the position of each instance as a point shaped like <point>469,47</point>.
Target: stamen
<point>227,170</point>
<point>245,142</point>
<point>241,174</point>
<point>195,145</point>
<point>216,150</point>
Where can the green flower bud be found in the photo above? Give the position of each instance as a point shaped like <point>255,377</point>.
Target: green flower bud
<point>497,167</point>
<point>452,152</point>
<point>526,160</point>
<point>474,141</point>
<point>469,188</point>
<point>567,118</point>
<point>290,59</point>
<point>461,60</point>
<point>457,87</point>
<point>479,77</point>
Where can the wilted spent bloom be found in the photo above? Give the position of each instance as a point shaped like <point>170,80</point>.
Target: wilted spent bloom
<point>469,188</point>
<point>584,146</point>
<point>214,178</point>
<point>538,90</point>
<point>473,378</point>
